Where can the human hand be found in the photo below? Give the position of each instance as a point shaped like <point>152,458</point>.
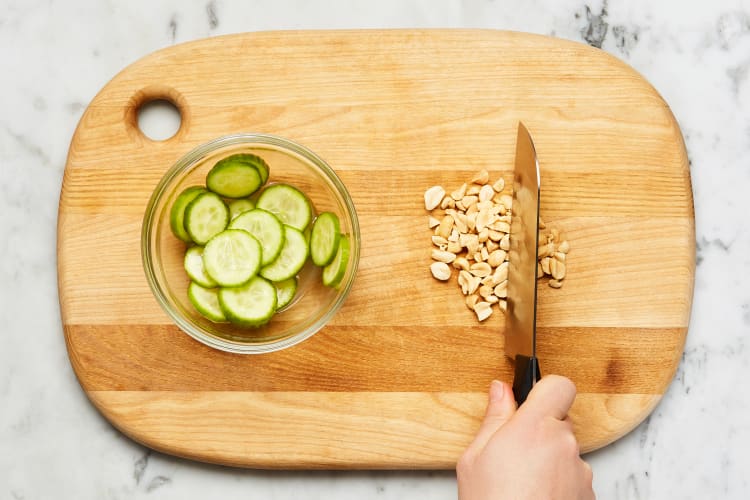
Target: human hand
<point>528,453</point>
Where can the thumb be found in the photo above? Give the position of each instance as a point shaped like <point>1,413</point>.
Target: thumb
<point>501,407</point>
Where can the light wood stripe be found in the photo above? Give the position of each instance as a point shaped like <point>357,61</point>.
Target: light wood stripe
<point>610,258</point>
<point>323,430</point>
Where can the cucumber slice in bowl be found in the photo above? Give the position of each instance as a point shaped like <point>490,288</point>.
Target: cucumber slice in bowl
<point>287,203</point>
<point>206,302</point>
<point>240,206</point>
<point>232,257</point>
<point>233,178</point>
<point>324,239</point>
<point>257,162</point>
<point>205,217</point>
<point>253,160</point>
<point>334,272</point>
<point>194,267</point>
<point>291,259</point>
<point>252,304</point>
<point>285,291</point>
<point>177,214</point>
<point>268,230</point>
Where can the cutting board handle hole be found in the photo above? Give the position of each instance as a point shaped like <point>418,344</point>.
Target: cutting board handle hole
<point>158,119</point>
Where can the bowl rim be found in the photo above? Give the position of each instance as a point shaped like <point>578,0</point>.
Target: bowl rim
<point>148,228</point>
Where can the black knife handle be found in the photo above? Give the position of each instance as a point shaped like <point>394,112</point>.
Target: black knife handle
<point>526,375</point>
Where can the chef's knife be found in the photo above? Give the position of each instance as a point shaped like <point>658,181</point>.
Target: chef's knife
<point>520,323</point>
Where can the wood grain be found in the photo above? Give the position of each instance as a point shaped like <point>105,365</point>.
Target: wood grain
<point>306,429</point>
<point>402,370</point>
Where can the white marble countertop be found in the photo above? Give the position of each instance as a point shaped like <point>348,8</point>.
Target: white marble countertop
<point>56,55</point>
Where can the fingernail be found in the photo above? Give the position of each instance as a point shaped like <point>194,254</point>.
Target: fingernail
<point>497,391</point>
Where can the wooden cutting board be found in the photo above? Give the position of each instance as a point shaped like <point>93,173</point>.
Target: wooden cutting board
<point>398,379</point>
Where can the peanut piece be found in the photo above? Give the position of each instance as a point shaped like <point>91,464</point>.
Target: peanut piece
<point>496,258</point>
<point>564,247</point>
<point>433,197</point>
<point>468,201</point>
<point>559,270</point>
<point>471,301</point>
<point>505,243</point>
<point>440,271</point>
<point>459,193</point>
<point>489,281</point>
<point>432,222</point>
<point>552,267</point>
<point>459,220</point>
<point>454,247</point>
<point>486,193</point>
<point>447,203</point>
<point>501,290</point>
<point>481,177</point>
<point>444,229</point>
<point>483,310</point>
<point>545,265</point>
<point>480,269</point>
<point>484,217</point>
<point>501,226</point>
<point>542,251</point>
<point>501,273</point>
<point>507,201</point>
<point>443,256</point>
<point>499,185</point>
<point>474,283</point>
<point>439,240</point>
<point>495,235</point>
<point>463,282</point>
<point>555,283</point>
<point>461,263</point>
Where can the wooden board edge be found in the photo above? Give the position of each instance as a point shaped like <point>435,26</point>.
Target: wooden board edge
<point>335,431</point>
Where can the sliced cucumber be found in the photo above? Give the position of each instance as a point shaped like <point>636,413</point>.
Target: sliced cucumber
<point>251,304</point>
<point>291,259</point>
<point>258,162</point>
<point>254,160</point>
<point>237,207</point>
<point>334,272</point>
<point>234,178</point>
<point>324,239</point>
<point>206,302</point>
<point>268,230</point>
<point>177,214</point>
<point>287,203</point>
<point>232,257</point>
<point>194,267</point>
<point>285,291</point>
<point>205,217</point>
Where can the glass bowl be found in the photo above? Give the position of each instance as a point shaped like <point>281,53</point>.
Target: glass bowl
<point>163,253</point>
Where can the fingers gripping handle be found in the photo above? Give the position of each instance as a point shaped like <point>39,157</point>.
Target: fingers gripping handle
<point>526,375</point>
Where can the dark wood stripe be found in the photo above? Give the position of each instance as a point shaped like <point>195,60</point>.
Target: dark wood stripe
<point>359,358</point>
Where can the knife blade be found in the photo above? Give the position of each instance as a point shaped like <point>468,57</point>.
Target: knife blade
<point>520,323</point>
